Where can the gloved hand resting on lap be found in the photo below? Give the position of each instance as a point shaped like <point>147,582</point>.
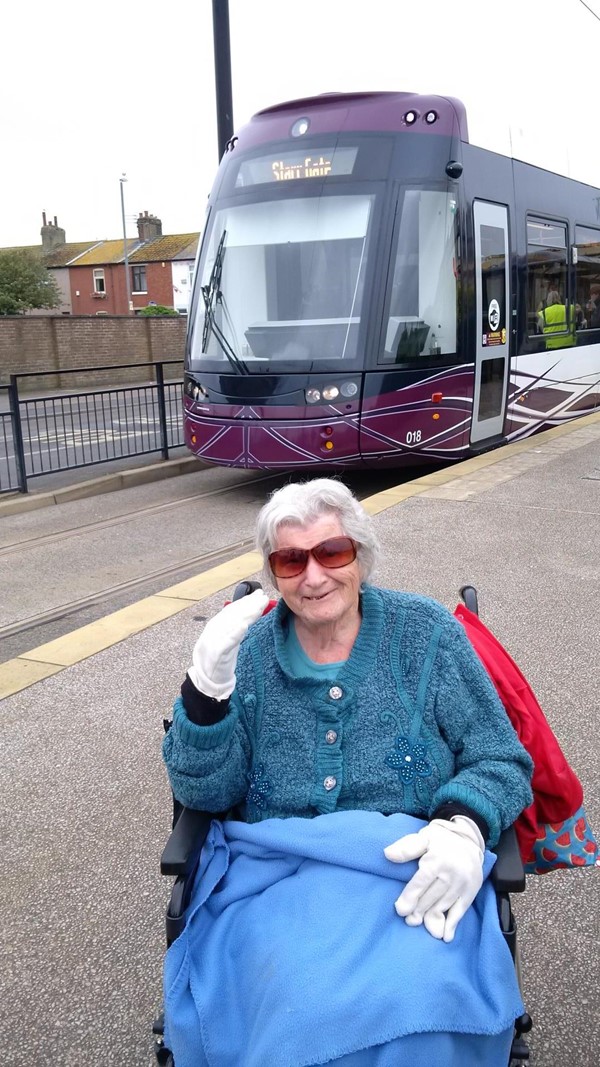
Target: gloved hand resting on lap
<point>450,875</point>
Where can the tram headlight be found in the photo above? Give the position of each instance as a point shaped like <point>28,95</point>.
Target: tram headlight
<point>431,117</point>
<point>410,117</point>
<point>331,392</point>
<point>300,127</point>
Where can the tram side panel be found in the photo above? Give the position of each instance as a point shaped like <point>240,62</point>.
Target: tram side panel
<point>555,377</point>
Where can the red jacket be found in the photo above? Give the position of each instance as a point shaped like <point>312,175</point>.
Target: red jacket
<point>557,792</point>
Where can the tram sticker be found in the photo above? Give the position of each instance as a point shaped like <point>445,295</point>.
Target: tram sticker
<point>494,315</point>
<point>495,334</point>
<point>496,337</point>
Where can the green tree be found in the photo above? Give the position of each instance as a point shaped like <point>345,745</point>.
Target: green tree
<point>25,283</point>
<point>157,309</point>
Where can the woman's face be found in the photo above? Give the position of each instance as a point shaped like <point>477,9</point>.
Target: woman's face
<point>318,596</point>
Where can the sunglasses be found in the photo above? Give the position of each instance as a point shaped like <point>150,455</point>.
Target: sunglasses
<point>332,553</point>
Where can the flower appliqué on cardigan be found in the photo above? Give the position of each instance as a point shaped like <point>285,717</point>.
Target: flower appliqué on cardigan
<point>409,760</point>
<point>259,789</point>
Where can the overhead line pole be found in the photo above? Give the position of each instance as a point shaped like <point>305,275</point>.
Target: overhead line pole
<point>222,47</point>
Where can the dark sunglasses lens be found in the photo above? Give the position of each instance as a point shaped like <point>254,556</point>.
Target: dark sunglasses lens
<point>288,562</point>
<point>335,552</point>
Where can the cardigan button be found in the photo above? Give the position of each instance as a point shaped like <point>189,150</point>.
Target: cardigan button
<point>330,782</point>
<point>331,737</point>
<point>335,692</point>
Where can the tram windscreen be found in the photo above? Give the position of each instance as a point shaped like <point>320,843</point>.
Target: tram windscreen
<point>281,282</point>
<point>421,301</point>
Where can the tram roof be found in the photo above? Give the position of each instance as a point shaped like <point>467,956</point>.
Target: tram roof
<point>383,111</point>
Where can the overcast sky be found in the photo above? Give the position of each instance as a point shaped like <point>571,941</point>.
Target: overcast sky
<point>90,91</point>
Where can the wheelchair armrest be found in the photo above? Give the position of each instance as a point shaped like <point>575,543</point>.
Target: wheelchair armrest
<point>508,873</point>
<point>183,848</point>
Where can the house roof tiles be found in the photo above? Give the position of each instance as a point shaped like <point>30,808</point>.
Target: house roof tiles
<point>65,254</point>
<point>166,248</point>
<point>105,252</point>
<point>59,257</point>
<point>99,253</point>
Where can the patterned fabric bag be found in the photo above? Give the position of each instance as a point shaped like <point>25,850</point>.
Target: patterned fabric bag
<point>564,844</point>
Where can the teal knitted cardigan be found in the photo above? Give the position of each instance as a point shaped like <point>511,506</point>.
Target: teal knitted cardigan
<point>410,722</point>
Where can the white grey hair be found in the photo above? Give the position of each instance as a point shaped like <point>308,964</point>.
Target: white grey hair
<point>301,503</point>
<point>553,298</point>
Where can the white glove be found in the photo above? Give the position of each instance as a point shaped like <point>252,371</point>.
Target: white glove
<point>216,650</point>
<point>450,875</point>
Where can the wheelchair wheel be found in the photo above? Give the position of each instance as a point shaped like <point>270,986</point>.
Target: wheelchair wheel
<point>164,1056</point>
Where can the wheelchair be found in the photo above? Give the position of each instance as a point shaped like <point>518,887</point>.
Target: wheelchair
<point>181,856</point>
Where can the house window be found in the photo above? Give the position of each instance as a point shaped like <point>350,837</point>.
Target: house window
<point>139,279</point>
<point>99,283</point>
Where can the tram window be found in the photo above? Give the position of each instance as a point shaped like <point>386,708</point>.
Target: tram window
<point>421,302</point>
<point>493,285</point>
<point>290,282</point>
<point>547,275</point>
<point>587,278</point>
<point>491,394</point>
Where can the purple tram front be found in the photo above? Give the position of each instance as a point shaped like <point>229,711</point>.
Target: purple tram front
<point>326,323</point>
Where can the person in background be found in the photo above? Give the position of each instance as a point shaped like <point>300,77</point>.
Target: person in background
<point>348,696</point>
<point>553,322</point>
<point>593,307</point>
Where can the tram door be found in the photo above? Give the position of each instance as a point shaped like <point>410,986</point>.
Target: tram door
<point>492,293</point>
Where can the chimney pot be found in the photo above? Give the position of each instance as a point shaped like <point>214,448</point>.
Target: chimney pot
<point>149,226</point>
<point>53,236</point>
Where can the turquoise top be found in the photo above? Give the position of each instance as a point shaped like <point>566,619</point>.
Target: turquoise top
<point>301,664</point>
<point>409,722</point>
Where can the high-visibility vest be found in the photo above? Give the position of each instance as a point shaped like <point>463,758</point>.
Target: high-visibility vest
<point>555,322</point>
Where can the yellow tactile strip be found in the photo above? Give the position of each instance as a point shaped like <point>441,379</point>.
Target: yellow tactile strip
<point>46,660</point>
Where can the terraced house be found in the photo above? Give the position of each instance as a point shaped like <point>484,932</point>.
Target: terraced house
<point>91,274</point>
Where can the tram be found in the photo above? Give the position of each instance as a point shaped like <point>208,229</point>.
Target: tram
<point>372,291</point>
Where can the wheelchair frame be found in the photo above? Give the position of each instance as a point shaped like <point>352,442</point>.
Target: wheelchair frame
<point>181,856</point>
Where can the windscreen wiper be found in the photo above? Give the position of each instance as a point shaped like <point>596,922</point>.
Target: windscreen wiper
<point>212,295</point>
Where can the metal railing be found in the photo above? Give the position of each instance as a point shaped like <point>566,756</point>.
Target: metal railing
<point>63,431</point>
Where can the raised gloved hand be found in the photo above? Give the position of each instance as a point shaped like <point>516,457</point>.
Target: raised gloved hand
<point>450,875</point>
<point>216,650</point>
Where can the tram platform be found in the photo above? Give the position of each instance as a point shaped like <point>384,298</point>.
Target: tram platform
<point>88,805</point>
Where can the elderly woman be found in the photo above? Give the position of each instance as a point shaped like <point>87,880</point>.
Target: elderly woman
<point>349,697</point>
<point>360,738</point>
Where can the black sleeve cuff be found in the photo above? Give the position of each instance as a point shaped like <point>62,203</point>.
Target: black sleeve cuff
<point>446,811</point>
<point>200,709</point>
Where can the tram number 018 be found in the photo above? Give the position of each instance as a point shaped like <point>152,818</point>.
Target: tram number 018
<point>413,437</point>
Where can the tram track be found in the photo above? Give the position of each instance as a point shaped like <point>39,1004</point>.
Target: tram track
<point>53,620</point>
<point>62,611</point>
<point>119,520</point>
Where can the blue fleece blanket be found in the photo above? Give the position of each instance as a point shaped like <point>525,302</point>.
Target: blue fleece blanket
<point>293,955</point>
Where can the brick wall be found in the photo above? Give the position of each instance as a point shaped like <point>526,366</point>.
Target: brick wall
<point>57,343</point>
